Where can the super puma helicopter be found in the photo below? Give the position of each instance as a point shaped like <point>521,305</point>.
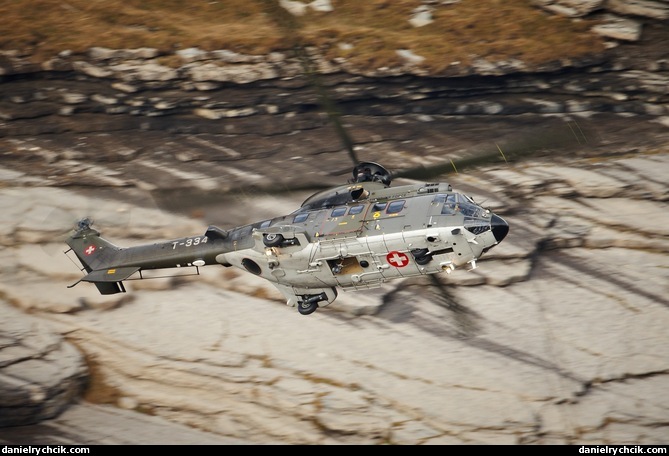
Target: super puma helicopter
<point>355,236</point>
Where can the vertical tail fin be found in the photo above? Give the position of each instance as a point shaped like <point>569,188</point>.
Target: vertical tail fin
<point>94,253</point>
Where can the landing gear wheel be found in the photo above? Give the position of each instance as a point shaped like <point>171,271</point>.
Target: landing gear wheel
<point>422,256</point>
<point>423,260</point>
<point>306,308</point>
<point>272,240</point>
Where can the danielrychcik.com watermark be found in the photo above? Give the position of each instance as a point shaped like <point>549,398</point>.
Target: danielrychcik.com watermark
<point>44,449</point>
<point>621,449</point>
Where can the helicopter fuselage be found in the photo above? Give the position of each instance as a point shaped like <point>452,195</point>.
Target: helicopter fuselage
<point>362,235</point>
<point>353,237</point>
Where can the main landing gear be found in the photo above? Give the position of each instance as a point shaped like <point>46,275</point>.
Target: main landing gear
<point>422,256</point>
<point>310,303</point>
<point>278,240</point>
<point>273,240</point>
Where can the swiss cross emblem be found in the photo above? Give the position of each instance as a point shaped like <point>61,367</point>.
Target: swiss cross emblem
<point>89,250</point>
<point>397,259</point>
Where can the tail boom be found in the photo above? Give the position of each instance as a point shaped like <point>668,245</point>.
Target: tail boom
<point>107,265</point>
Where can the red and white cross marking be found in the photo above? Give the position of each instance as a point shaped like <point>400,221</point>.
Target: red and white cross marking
<point>89,250</point>
<point>397,259</point>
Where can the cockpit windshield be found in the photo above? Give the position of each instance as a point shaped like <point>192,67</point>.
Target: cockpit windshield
<point>476,218</point>
<point>459,203</point>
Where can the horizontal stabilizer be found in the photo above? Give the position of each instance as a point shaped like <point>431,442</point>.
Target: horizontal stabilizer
<point>111,274</point>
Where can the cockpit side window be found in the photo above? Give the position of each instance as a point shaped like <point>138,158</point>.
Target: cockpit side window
<point>450,204</point>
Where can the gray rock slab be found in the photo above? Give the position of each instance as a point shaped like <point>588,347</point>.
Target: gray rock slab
<point>40,372</point>
<point>91,424</point>
<point>557,337</point>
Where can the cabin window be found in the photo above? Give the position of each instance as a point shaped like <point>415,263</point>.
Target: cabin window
<point>338,212</point>
<point>240,233</point>
<point>380,206</point>
<point>395,207</point>
<point>299,218</point>
<point>356,209</point>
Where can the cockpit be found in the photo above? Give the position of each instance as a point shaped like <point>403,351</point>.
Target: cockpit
<point>476,219</point>
<point>458,202</point>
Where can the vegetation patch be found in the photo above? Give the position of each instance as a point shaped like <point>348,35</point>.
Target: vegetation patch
<point>366,33</point>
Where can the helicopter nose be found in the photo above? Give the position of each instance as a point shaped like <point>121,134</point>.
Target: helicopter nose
<point>499,227</point>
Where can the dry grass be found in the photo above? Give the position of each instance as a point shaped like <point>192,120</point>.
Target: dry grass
<point>374,29</point>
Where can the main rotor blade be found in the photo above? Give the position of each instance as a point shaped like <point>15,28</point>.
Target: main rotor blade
<point>545,141</point>
<point>291,28</point>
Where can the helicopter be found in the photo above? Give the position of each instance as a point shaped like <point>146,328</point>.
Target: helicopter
<point>352,237</point>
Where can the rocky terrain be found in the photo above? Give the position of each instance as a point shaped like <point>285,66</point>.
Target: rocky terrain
<point>558,337</point>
